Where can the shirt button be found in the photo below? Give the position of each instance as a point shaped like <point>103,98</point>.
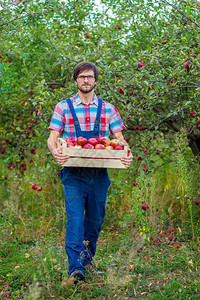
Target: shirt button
<point>88,119</point>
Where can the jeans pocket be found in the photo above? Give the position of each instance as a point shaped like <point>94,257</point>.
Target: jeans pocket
<point>64,174</point>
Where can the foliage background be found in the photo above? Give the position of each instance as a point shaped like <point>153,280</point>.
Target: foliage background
<point>40,43</point>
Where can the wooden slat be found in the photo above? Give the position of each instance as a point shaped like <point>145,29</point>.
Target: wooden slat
<point>95,163</point>
<point>86,157</point>
<point>95,153</point>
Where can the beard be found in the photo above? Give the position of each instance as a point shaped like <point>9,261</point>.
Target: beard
<point>86,88</point>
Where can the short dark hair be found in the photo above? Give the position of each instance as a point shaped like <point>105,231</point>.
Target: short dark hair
<point>83,66</point>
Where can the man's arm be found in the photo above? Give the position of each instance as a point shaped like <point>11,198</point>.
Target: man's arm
<point>56,152</point>
<point>125,160</point>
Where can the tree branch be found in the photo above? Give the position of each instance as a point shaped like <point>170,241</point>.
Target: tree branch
<point>181,13</point>
<point>23,16</point>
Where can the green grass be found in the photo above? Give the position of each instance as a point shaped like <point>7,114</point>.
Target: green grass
<point>33,261</point>
<point>35,267</point>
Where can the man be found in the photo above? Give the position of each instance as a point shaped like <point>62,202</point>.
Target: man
<point>85,188</point>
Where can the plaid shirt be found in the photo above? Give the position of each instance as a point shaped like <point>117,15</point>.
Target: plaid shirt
<point>62,120</point>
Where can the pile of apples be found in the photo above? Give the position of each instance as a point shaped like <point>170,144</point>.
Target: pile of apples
<point>95,143</point>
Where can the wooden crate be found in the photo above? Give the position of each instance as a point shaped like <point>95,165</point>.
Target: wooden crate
<point>94,158</point>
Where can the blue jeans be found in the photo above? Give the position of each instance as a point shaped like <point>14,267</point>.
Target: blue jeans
<point>85,199</point>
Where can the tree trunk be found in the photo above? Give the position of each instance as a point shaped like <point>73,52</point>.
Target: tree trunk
<point>194,144</point>
<point>193,137</point>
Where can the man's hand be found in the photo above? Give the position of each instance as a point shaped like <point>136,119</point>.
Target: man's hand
<point>127,159</point>
<point>55,149</point>
<point>59,157</point>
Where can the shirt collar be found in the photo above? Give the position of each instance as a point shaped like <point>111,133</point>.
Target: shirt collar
<point>79,101</point>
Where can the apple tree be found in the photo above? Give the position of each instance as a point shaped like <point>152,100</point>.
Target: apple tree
<point>147,53</point>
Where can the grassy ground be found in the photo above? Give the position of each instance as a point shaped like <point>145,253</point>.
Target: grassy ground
<point>135,251</point>
<point>36,268</point>
<point>138,263</point>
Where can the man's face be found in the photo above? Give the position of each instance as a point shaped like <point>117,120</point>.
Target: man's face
<point>86,81</point>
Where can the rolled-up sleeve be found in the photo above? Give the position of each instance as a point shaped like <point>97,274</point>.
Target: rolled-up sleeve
<point>116,123</point>
<point>57,119</point>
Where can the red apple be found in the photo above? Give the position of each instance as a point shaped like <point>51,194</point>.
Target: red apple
<point>177,246</point>
<point>70,145</point>
<point>4,142</point>
<point>105,141</point>
<point>170,237</point>
<point>144,206</point>
<point>87,35</point>
<point>145,169</point>
<point>139,157</point>
<point>22,164</point>
<point>146,150</point>
<point>188,65</point>
<point>140,64</point>
<point>146,258</point>
<point>197,202</point>
<point>81,141</point>
<point>100,147</point>
<point>33,151</point>
<point>119,27</point>
<point>88,146</point>
<point>71,140</point>
<point>1,55</point>
<point>131,93</point>
<point>24,168</point>
<point>39,188</point>
<point>194,55</point>
<point>3,151</point>
<point>98,139</point>
<point>7,294</point>
<point>171,229</point>
<point>119,147</point>
<point>93,141</point>
<point>121,91</point>
<point>141,128</point>
<point>114,143</point>
<point>34,186</point>
<point>109,148</point>
<point>135,183</point>
<point>164,232</point>
<point>156,241</point>
<point>192,113</point>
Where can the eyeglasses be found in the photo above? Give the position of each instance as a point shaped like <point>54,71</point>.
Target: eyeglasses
<point>89,77</point>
